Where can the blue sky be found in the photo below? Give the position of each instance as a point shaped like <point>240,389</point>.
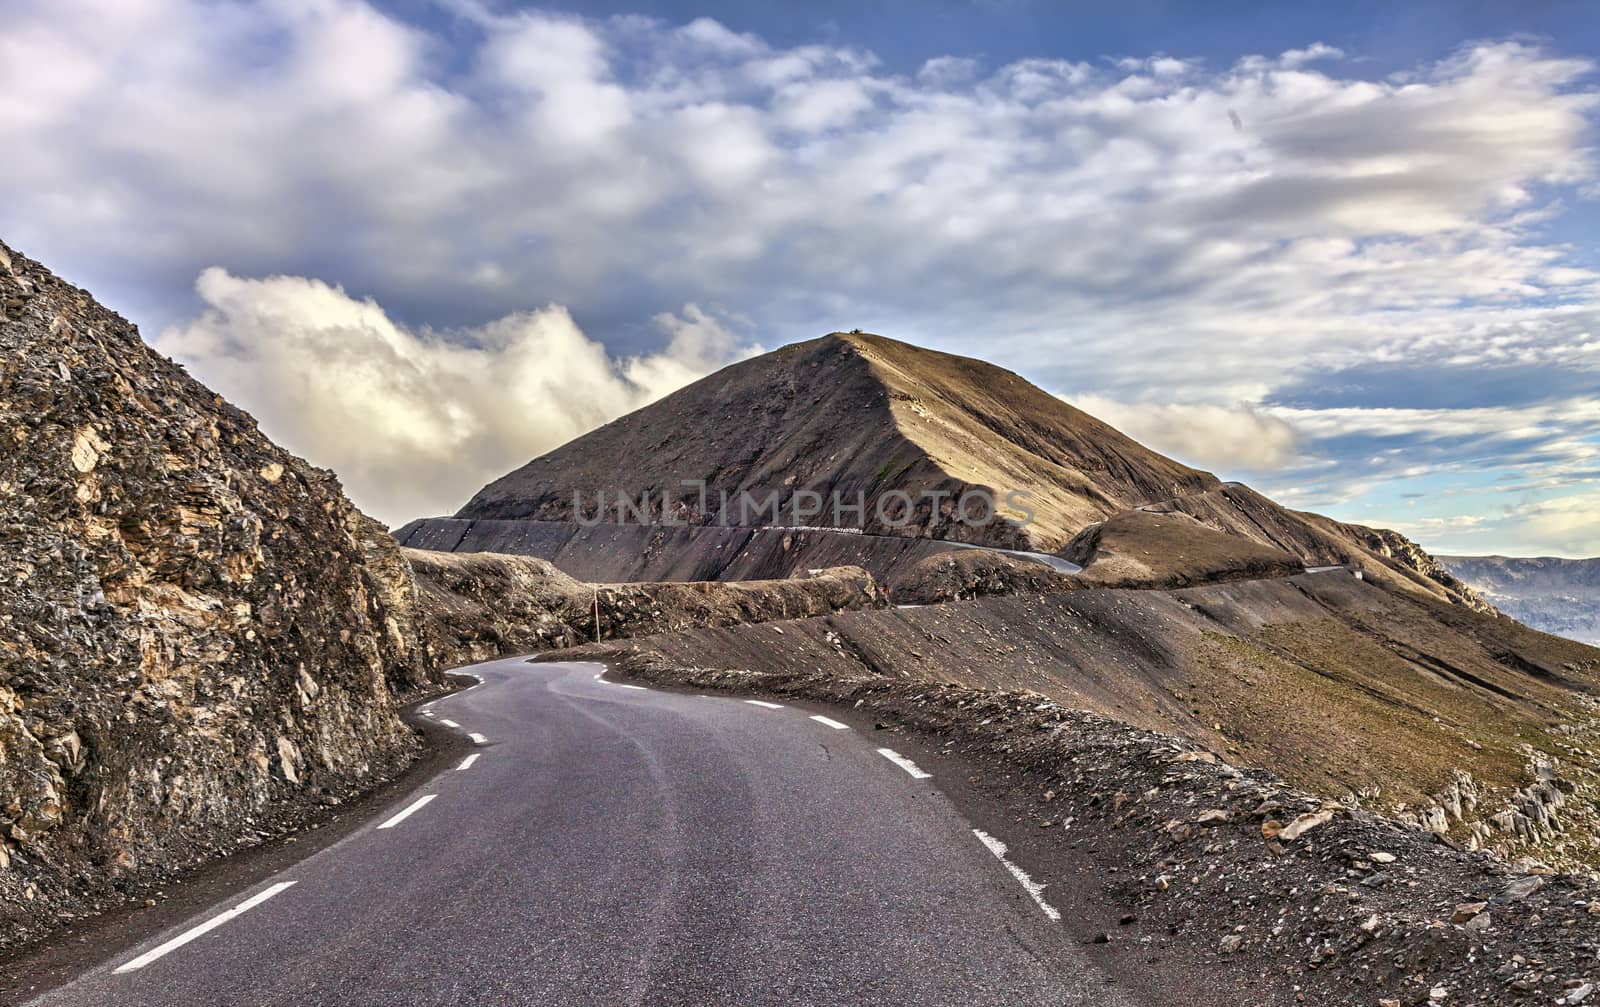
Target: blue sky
<point>1342,252</point>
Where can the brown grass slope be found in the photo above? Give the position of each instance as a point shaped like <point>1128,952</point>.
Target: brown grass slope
<point>1383,556</point>
<point>1336,685</point>
<point>858,414</point>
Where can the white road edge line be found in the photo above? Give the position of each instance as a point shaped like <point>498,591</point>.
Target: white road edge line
<point>216,921</point>
<point>904,763</point>
<point>468,761</point>
<point>449,723</point>
<point>761,703</point>
<point>410,810</point>
<point>625,685</point>
<point>829,722</point>
<point>478,739</point>
<point>1033,887</point>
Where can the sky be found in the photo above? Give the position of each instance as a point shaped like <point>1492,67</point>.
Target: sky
<point>1345,253</point>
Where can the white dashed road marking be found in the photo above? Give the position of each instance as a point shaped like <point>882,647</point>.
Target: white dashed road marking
<point>467,762</point>
<point>204,928</point>
<point>769,706</point>
<point>829,722</point>
<point>1033,887</point>
<point>478,739</point>
<point>449,723</point>
<point>411,809</point>
<point>904,763</point>
<point>625,685</point>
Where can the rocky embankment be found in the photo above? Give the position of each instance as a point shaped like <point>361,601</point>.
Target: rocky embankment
<point>608,553</point>
<point>477,606</point>
<point>1214,870</point>
<point>200,637</point>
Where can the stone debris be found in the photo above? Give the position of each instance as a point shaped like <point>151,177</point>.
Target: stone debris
<point>1467,911</point>
<point>1303,824</point>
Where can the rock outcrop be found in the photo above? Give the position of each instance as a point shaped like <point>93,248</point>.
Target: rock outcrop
<point>196,627</point>
<point>477,606</point>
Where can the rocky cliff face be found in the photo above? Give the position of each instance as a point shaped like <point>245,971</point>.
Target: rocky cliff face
<point>195,626</point>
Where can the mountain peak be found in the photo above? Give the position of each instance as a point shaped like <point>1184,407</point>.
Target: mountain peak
<point>852,417</point>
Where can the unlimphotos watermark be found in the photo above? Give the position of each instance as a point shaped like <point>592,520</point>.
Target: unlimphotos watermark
<point>973,506</point>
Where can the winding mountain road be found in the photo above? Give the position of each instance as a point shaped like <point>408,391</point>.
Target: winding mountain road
<point>608,844</point>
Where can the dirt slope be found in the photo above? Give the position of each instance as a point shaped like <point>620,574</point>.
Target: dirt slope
<point>1383,556</point>
<point>1143,549</point>
<point>857,414</point>
<point>637,552</point>
<point>199,634</point>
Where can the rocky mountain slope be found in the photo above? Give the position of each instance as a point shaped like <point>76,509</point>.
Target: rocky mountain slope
<point>857,414</point>
<point>198,632</point>
<point>853,416</point>
<point>1560,596</point>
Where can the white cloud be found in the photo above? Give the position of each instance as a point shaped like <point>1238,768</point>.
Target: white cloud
<point>415,421</point>
<point>1226,438</point>
<point>1565,526</point>
<point>1559,526</point>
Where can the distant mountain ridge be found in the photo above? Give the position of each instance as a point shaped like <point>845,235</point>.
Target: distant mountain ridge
<point>1560,596</point>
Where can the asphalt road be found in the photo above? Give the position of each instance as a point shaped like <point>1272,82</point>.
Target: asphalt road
<point>614,845</point>
<point>1055,563</point>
